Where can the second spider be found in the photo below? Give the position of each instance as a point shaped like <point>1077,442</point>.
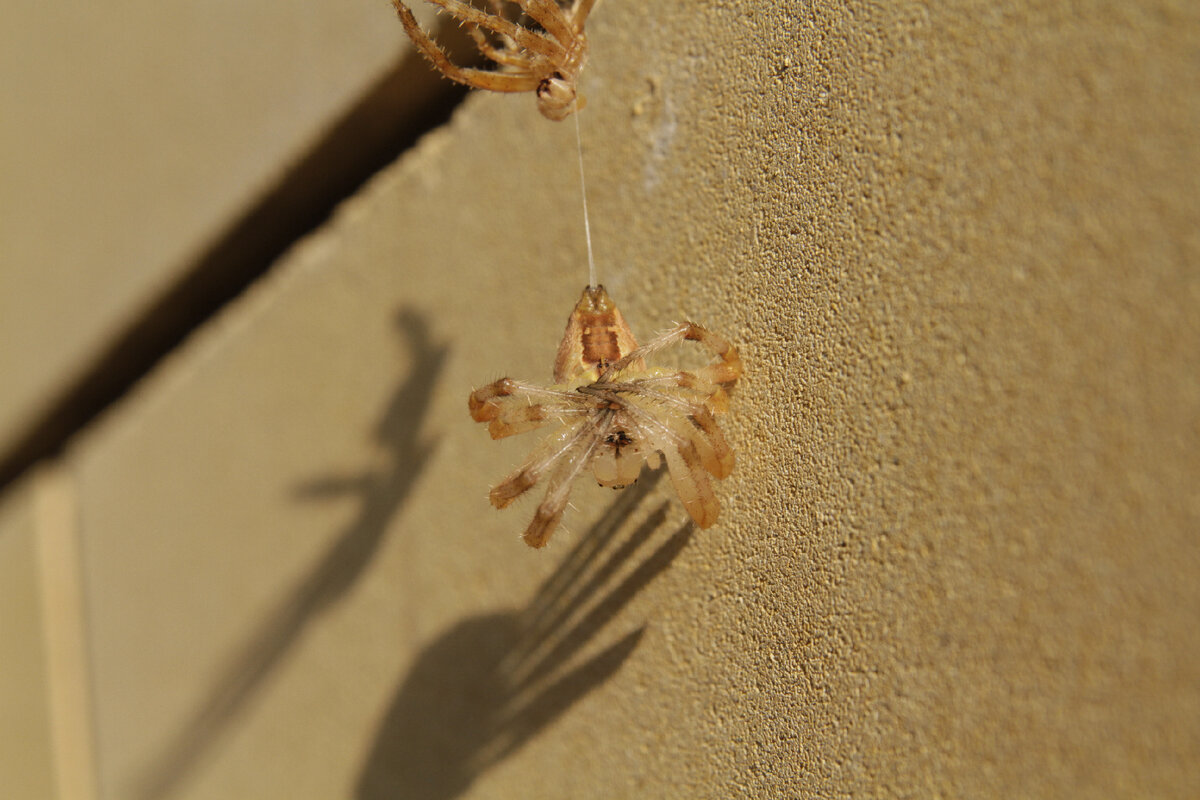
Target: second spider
<point>546,61</point>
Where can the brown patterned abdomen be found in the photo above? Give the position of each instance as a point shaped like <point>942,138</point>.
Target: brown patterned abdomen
<point>600,345</point>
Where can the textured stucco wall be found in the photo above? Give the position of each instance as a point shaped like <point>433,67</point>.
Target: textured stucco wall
<point>957,248</point>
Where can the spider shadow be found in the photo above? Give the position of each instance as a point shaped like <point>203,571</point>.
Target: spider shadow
<point>380,492</point>
<point>491,682</point>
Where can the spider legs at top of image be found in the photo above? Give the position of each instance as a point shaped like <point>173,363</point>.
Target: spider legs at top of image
<point>614,414</point>
<point>546,61</point>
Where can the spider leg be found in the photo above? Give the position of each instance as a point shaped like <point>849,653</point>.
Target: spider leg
<point>684,463</point>
<point>506,57</point>
<point>479,79</point>
<point>518,417</point>
<point>489,403</point>
<point>729,368</point>
<point>692,485</point>
<point>722,453</point>
<point>548,514</point>
<point>544,456</point>
<point>508,54</point>
<point>711,395</point>
<point>726,370</point>
<point>580,11</point>
<point>522,36</point>
<point>717,461</point>
<point>550,16</point>
<point>698,425</point>
<point>717,401</point>
<point>658,342</point>
<point>497,7</point>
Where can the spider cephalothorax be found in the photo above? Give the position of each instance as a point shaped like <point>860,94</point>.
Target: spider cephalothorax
<point>614,414</point>
<point>546,62</point>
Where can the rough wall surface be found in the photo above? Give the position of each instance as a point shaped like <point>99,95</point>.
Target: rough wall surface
<point>957,248</point>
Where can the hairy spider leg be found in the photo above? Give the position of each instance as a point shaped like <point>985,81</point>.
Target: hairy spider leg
<point>727,369</point>
<point>478,78</point>
<point>580,11</point>
<point>684,465</point>
<point>524,37</point>
<point>548,452</point>
<point>570,463</point>
<point>619,460</point>
<point>511,407</point>
<point>715,451</point>
<point>508,56</point>
<point>696,424</point>
<point>712,395</point>
<point>550,16</point>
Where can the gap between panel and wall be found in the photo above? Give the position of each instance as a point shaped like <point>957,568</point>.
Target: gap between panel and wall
<point>388,119</point>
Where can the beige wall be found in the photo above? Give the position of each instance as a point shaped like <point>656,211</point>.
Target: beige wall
<point>957,249</point>
<point>26,758</point>
<point>135,134</point>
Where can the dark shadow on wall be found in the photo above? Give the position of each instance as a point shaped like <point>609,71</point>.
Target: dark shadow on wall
<point>407,102</point>
<point>381,491</point>
<point>491,682</point>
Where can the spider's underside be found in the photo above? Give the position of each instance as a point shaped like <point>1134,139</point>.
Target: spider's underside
<point>614,414</point>
<point>547,62</point>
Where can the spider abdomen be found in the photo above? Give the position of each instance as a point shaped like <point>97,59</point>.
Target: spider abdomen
<point>618,462</point>
<point>600,345</point>
<point>596,335</point>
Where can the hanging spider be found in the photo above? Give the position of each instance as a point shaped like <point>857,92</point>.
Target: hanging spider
<point>547,62</point>
<point>614,414</point>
